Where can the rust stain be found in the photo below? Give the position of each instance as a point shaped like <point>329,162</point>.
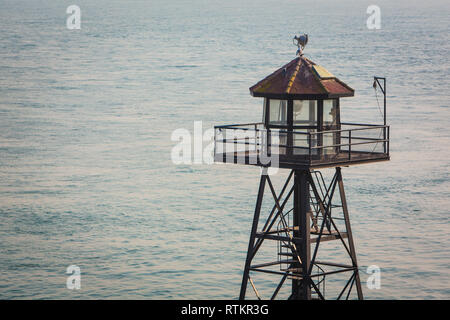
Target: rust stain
<point>294,75</point>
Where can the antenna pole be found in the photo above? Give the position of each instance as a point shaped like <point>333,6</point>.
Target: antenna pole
<point>383,89</point>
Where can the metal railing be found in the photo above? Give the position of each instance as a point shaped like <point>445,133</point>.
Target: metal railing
<point>351,142</point>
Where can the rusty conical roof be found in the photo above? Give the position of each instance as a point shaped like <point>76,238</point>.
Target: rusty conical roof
<point>301,79</point>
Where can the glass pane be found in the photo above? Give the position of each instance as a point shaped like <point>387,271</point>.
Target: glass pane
<point>302,140</point>
<point>278,112</point>
<point>329,139</point>
<point>305,112</point>
<point>264,110</point>
<point>329,112</point>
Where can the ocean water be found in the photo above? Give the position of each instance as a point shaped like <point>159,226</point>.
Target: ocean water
<point>86,118</point>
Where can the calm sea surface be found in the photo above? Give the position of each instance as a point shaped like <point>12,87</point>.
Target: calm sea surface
<point>86,118</point>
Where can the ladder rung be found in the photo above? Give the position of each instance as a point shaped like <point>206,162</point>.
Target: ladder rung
<point>273,263</point>
<point>278,238</point>
<point>287,254</point>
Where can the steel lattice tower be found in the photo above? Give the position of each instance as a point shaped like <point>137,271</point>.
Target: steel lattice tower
<point>302,131</point>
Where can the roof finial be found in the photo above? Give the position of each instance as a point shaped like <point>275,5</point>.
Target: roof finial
<point>301,40</point>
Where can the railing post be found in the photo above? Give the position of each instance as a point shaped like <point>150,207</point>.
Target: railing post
<point>309,146</point>
<point>215,141</point>
<point>264,141</point>
<point>247,144</point>
<point>256,138</point>
<point>349,145</point>
<point>247,149</point>
<point>269,143</point>
<point>224,146</point>
<point>388,139</point>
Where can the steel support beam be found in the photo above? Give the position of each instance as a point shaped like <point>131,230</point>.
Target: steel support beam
<point>349,232</point>
<point>295,235</point>
<point>251,242</point>
<point>301,289</point>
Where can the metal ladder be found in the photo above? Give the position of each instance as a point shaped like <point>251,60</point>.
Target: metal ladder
<point>287,255</point>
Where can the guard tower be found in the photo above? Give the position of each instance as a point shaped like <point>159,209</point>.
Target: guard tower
<point>302,131</point>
